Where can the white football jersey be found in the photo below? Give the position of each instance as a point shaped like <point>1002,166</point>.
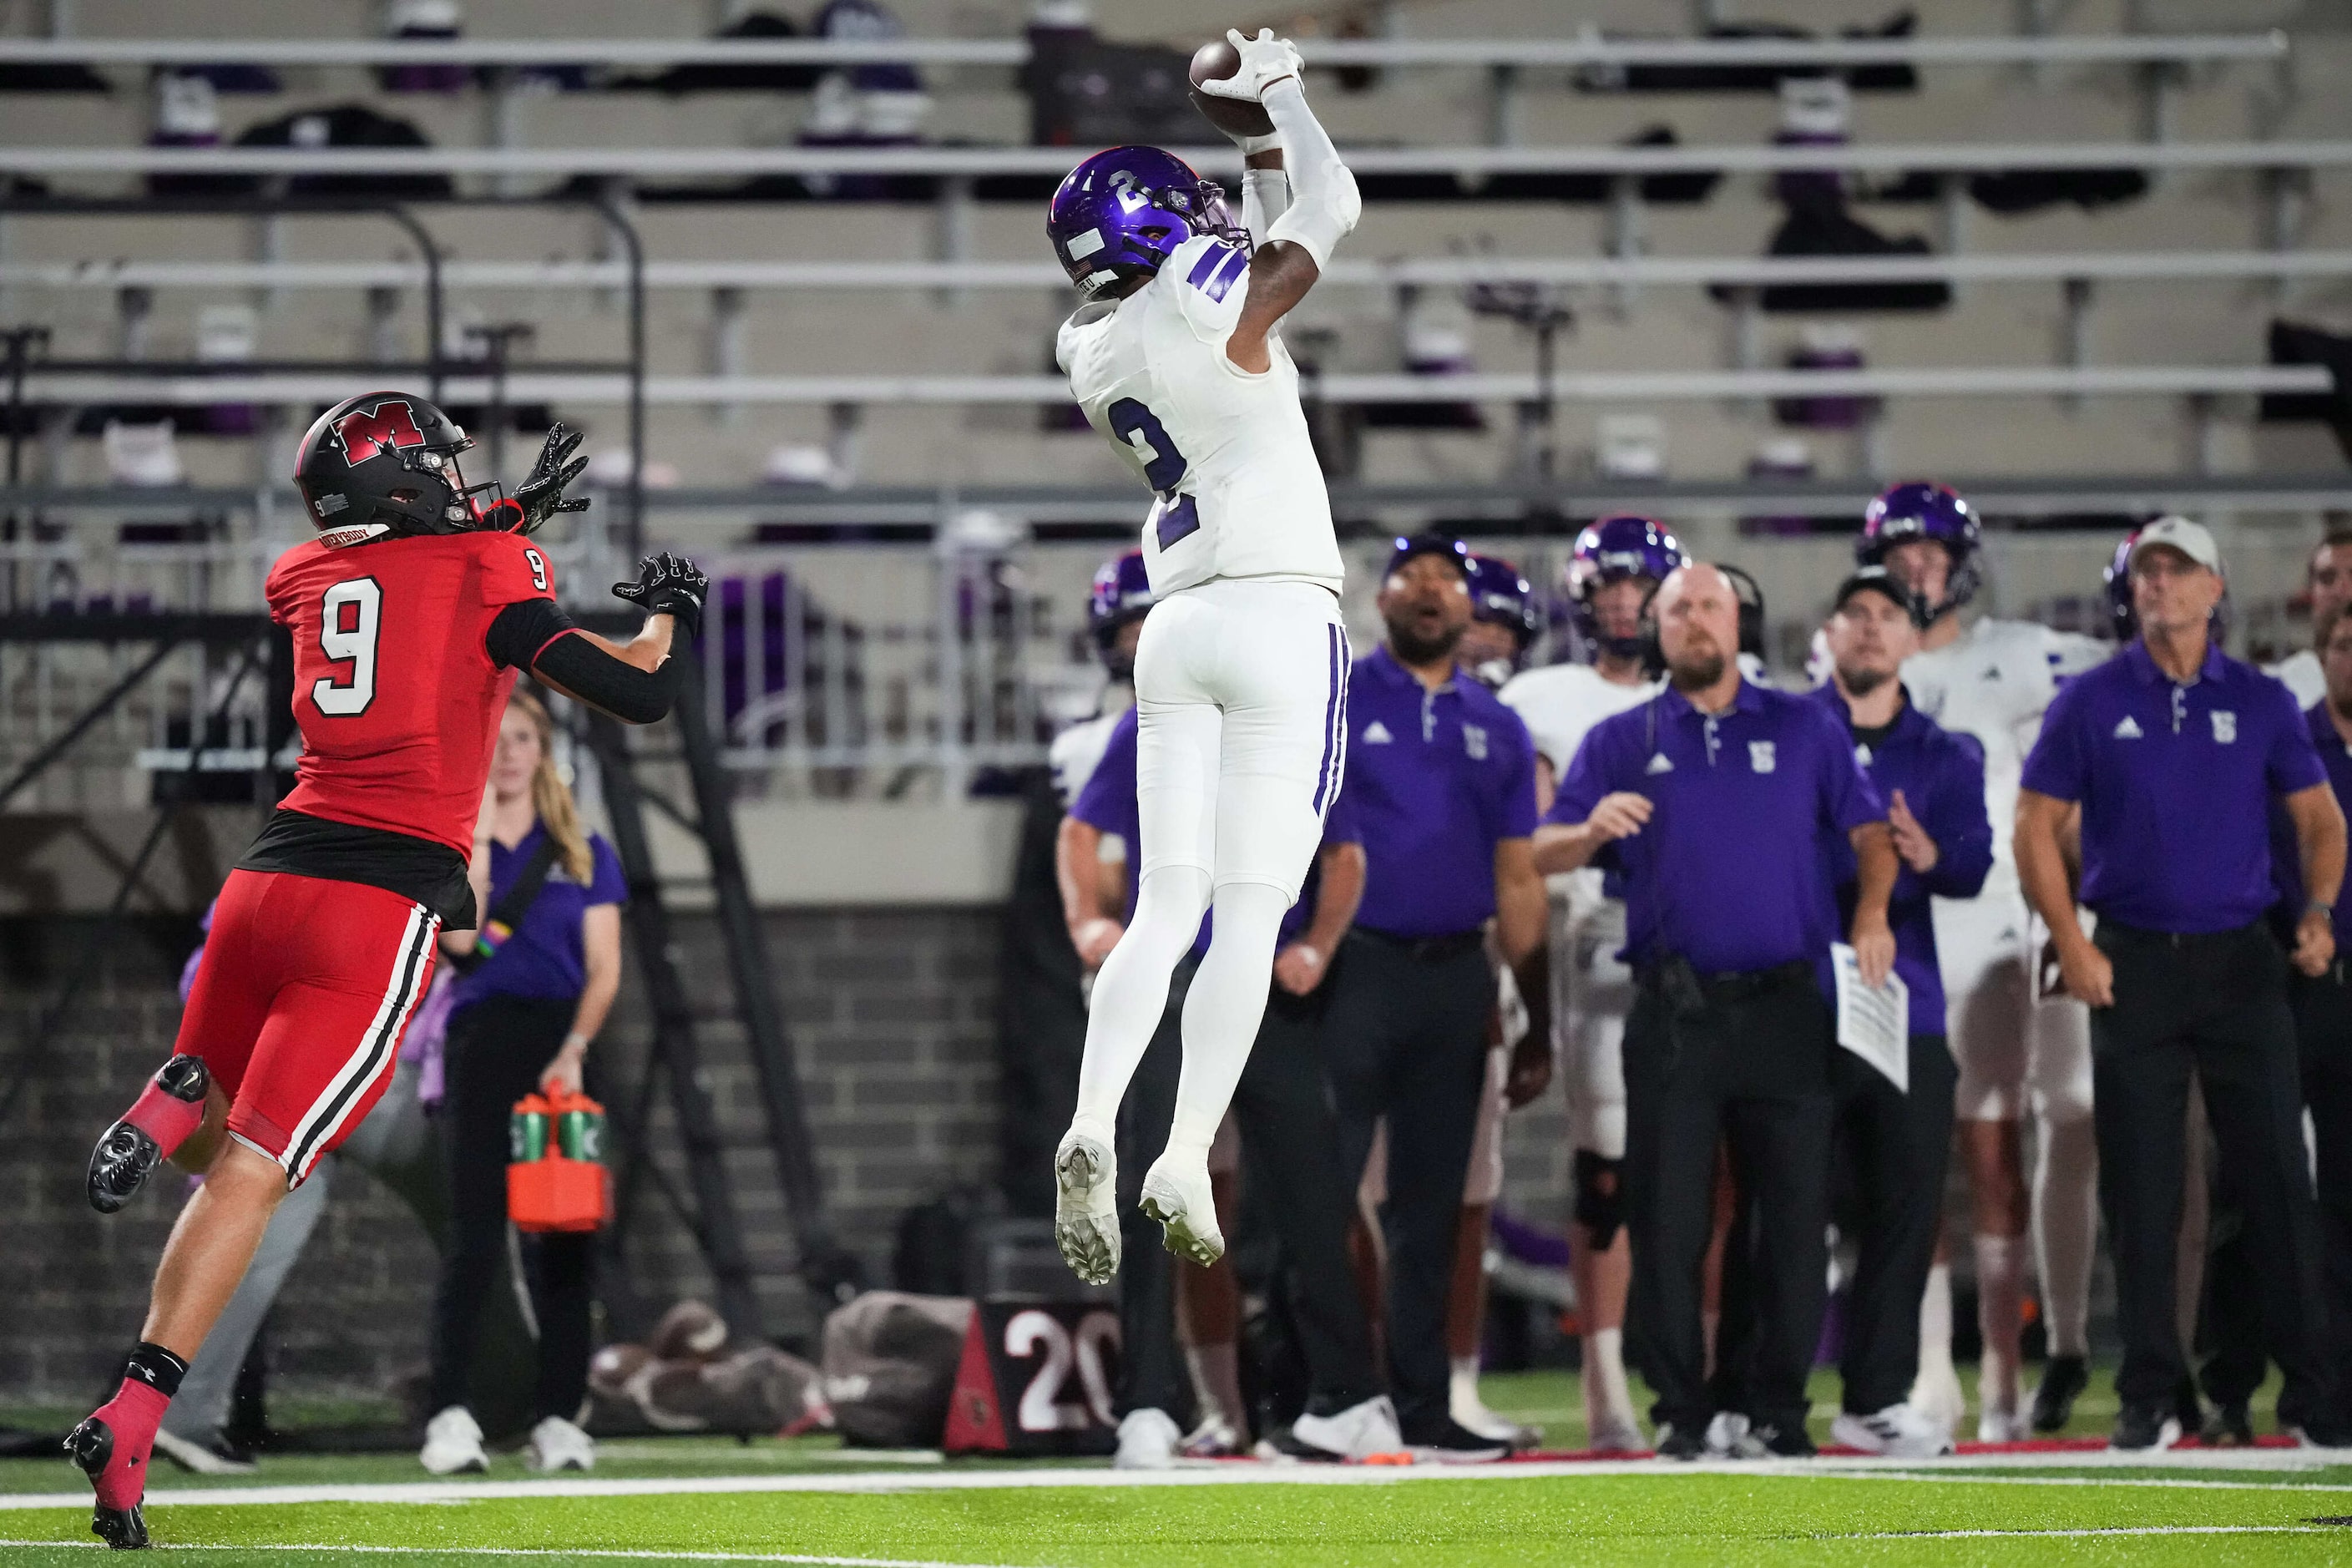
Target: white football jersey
<point>1994,682</point>
<point>1560,703</point>
<point>1240,492</point>
<point>1076,752</point>
<point>2300,672</point>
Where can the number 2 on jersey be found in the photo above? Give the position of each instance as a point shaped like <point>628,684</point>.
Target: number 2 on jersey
<point>1163,467</point>
<point>351,619</point>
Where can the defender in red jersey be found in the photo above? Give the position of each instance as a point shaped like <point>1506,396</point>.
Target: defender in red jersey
<point>410,614</point>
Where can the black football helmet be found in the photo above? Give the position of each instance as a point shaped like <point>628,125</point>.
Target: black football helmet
<point>384,462</point>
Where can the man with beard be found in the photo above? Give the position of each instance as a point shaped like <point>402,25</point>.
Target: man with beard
<point>1441,780</point>
<point>1894,1137</point>
<point>1719,802</point>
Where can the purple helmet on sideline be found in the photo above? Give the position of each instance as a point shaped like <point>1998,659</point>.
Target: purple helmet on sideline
<point>1122,592</point>
<point>1499,595</point>
<point>1122,214</point>
<point>2121,614</point>
<point>1915,510</point>
<point>1610,551</point>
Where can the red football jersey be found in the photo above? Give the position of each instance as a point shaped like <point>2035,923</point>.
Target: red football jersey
<point>394,692</point>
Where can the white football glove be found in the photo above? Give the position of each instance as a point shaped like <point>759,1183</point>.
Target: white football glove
<point>1265,60</point>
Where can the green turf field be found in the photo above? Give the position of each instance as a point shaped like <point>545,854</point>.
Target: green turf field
<point>685,1499</point>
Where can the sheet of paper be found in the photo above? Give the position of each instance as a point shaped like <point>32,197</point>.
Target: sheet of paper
<point>1874,1024</point>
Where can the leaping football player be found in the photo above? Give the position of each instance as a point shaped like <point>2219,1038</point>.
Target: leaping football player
<point>411,613</point>
<point>1240,677</point>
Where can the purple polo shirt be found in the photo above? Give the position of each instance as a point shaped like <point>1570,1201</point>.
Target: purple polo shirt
<point>1941,776</point>
<point>1106,803</point>
<point>545,958</point>
<point>2175,784</point>
<point>1732,870</point>
<point>1437,779</point>
<point>2287,850</point>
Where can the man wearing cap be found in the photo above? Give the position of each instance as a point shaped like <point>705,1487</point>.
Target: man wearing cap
<point>1719,801</point>
<point>2174,750</point>
<point>1893,1139</point>
<point>1441,782</point>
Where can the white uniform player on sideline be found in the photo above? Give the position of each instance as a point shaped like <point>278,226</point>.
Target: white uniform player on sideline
<point>1992,680</point>
<point>1617,563</point>
<point>1241,673</point>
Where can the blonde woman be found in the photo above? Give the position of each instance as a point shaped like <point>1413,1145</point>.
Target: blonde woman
<point>537,982</point>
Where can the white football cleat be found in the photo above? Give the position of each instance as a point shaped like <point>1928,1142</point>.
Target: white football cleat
<point>1148,1439</point>
<point>1085,1207</point>
<point>1898,1431</point>
<point>558,1445</point>
<point>1936,1395</point>
<point>1358,1432</point>
<point>1177,1198</point>
<point>1214,1438</point>
<point>1726,1436</point>
<point>1470,1413</point>
<point>2002,1426</point>
<point>453,1444</point>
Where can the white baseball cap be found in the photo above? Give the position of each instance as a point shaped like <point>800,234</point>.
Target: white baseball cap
<point>2192,539</point>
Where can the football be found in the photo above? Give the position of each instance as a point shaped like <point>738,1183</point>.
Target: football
<point>1215,61</point>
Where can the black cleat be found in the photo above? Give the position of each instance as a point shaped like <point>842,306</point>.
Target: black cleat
<point>1791,1442</point>
<point>2063,1382</point>
<point>126,1156</point>
<point>2229,1426</point>
<point>91,1446</point>
<point>1675,1443</point>
<point>2142,1426</point>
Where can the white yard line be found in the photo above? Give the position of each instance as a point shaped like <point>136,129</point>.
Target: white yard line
<point>1963,1469</point>
<point>2112,1529</point>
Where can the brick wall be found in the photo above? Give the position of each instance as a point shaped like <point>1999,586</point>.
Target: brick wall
<point>892,1011</point>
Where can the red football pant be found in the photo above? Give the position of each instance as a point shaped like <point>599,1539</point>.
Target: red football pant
<point>299,1004</point>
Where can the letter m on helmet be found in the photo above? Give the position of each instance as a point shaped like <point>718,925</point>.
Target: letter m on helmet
<point>363,432</point>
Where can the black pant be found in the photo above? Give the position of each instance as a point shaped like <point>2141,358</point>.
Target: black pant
<point>1290,1149</point>
<point>1746,1066</point>
<point>1406,1039</point>
<point>497,1049</point>
<point>1896,1145</point>
<point>2215,1005</point>
<point>2322,1011</point>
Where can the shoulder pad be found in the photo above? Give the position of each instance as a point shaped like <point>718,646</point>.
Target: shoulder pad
<point>1209,279</point>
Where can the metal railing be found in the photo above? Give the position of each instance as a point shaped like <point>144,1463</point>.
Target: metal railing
<point>1466,162</point>
<point>1590,49</point>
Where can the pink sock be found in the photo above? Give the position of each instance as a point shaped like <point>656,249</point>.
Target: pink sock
<point>132,1416</point>
<point>164,1115</point>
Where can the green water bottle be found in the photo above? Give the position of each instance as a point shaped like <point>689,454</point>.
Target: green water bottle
<point>580,1135</point>
<point>526,1136</point>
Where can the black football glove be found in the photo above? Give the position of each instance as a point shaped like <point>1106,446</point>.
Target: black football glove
<point>541,494</point>
<point>668,584</point>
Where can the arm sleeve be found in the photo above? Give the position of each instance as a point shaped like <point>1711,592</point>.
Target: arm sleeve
<point>1266,196</point>
<point>1113,780</point>
<point>1848,797</point>
<point>519,631</point>
<point>1325,204</point>
<point>2293,762</point>
<point>1586,781</point>
<point>2057,766</point>
<point>629,694</point>
<point>1957,823</point>
<point>606,883</point>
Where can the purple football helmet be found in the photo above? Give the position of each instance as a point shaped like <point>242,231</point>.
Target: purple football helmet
<point>1914,510</point>
<point>1122,592</point>
<point>1612,550</point>
<point>1498,593</point>
<point>1122,214</point>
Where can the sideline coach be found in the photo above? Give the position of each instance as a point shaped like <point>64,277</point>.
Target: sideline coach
<point>2173,752</point>
<point>1719,801</point>
<point>1441,781</point>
